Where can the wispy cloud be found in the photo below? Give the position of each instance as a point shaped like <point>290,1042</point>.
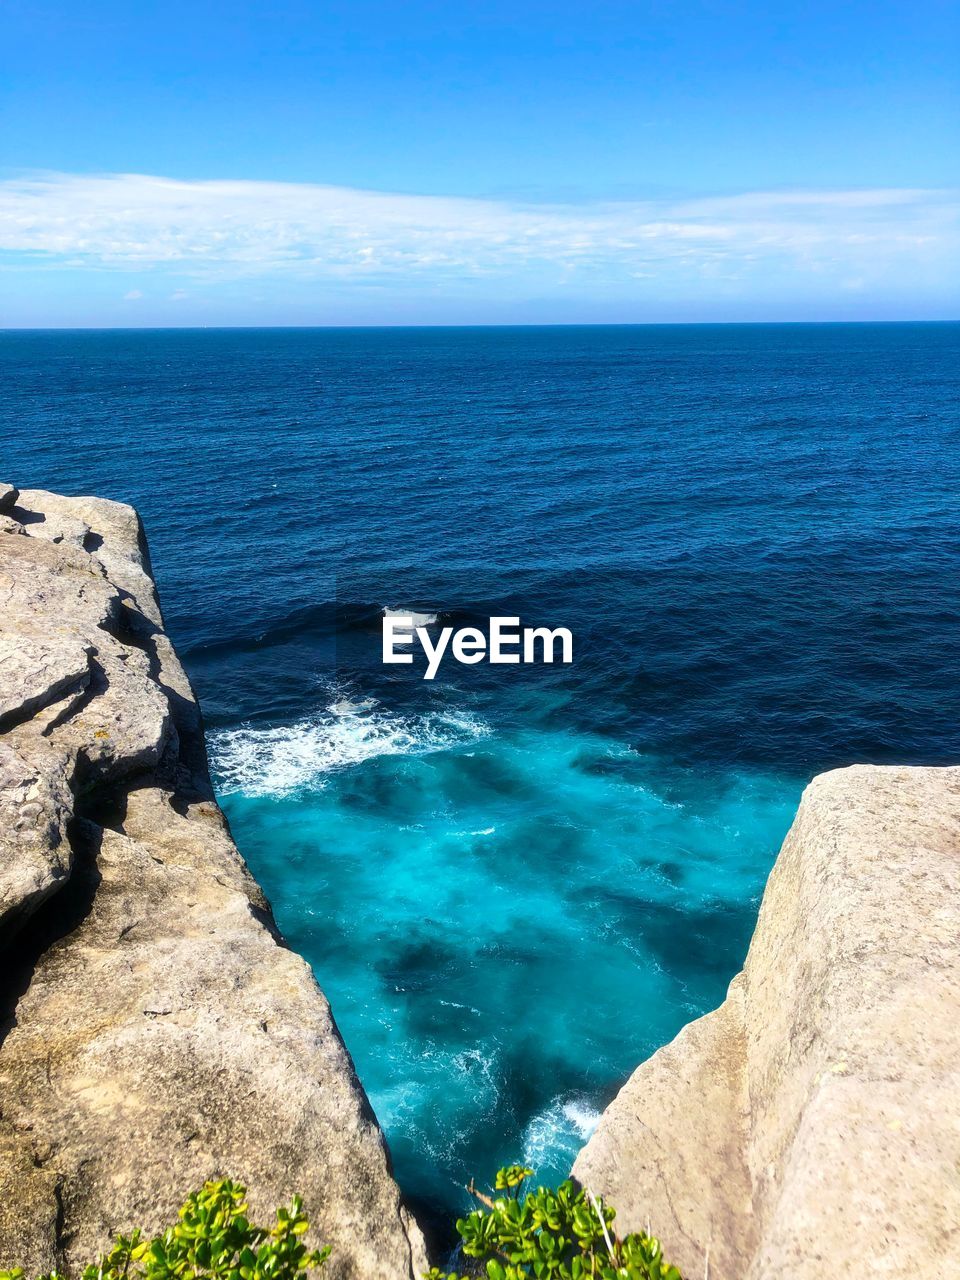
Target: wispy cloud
<point>239,228</point>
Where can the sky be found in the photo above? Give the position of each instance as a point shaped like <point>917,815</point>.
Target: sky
<point>477,162</point>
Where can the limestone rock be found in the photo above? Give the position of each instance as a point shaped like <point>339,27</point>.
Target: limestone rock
<point>52,589</point>
<point>35,855</point>
<point>36,670</point>
<point>154,1032</point>
<point>113,535</point>
<point>811,1125</point>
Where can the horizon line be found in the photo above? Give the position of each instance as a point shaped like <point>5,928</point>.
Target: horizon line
<point>480,324</point>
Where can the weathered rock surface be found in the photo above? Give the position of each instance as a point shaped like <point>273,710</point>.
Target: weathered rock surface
<point>811,1125</point>
<point>35,670</point>
<point>35,854</point>
<point>153,1030</point>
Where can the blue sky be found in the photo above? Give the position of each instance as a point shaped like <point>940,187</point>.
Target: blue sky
<point>411,162</point>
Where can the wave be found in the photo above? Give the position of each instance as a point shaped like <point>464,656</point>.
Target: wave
<point>553,1137</point>
<point>419,619</point>
<point>281,759</point>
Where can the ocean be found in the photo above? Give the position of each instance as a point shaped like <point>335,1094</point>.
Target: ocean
<point>516,882</point>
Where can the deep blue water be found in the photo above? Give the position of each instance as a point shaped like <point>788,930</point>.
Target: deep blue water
<point>516,882</point>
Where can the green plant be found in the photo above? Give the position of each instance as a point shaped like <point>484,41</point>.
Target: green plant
<point>563,1234</point>
<point>212,1240</point>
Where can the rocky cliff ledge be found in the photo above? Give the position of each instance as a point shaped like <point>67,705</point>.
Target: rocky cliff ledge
<point>810,1126</point>
<point>154,1031</point>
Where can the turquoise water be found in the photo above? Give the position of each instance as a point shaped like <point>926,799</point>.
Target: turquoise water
<point>504,925</point>
<point>514,883</point>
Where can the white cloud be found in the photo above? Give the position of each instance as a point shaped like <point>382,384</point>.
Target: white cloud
<point>232,229</point>
<point>132,295</point>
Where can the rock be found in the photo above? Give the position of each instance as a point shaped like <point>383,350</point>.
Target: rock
<point>68,626</point>
<point>35,855</point>
<point>38,578</point>
<point>811,1125</point>
<point>35,671</point>
<point>113,534</point>
<point>154,1030</point>
<point>8,498</point>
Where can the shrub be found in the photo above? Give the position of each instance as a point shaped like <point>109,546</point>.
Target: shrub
<point>212,1240</point>
<point>562,1234</point>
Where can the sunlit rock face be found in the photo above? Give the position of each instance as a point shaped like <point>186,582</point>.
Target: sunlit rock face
<point>155,1032</point>
<point>811,1124</point>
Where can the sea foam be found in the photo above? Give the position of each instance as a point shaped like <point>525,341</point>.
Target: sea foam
<point>282,759</point>
<point>418,619</point>
<point>553,1137</point>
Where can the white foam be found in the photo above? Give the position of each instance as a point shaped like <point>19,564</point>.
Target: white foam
<point>346,708</point>
<point>287,758</point>
<point>583,1117</point>
<point>452,1004</point>
<point>477,1071</point>
<point>554,1136</point>
<point>418,619</point>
